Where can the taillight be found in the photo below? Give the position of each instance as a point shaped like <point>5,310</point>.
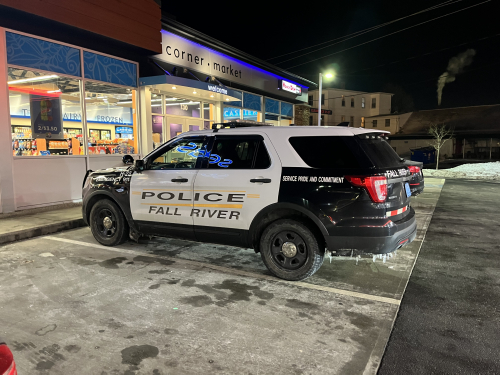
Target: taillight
<point>376,186</point>
<point>413,169</point>
<point>7,364</point>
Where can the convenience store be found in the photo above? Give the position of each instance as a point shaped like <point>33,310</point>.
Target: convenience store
<point>67,108</point>
<point>198,80</point>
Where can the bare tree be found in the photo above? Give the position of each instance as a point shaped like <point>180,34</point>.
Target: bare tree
<point>441,133</point>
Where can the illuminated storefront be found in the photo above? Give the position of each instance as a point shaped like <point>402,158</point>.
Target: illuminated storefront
<point>198,85</point>
<point>70,109</point>
<point>65,109</point>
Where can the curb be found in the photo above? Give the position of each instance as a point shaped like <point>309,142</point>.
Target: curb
<point>41,230</point>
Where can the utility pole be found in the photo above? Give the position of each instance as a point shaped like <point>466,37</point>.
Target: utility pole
<point>319,98</point>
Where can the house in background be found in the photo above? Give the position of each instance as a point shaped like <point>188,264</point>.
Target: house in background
<point>476,131</point>
<point>340,105</point>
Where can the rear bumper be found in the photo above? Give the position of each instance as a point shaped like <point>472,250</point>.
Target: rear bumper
<point>376,240</point>
<point>416,188</point>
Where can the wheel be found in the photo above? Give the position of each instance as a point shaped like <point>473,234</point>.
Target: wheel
<point>290,250</point>
<point>108,224</point>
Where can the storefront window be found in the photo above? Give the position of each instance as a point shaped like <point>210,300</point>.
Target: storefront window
<point>252,115</point>
<point>286,109</point>
<point>272,119</point>
<point>235,103</point>
<point>287,121</point>
<point>156,103</point>
<point>272,112</point>
<point>157,130</point>
<point>110,119</point>
<point>208,111</point>
<point>182,107</point>
<point>272,106</point>
<point>251,101</point>
<point>45,112</point>
<point>231,114</point>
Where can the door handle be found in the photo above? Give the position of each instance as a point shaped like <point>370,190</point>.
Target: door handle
<point>180,179</point>
<point>264,180</point>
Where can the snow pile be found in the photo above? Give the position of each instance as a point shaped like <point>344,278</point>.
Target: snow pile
<point>486,171</point>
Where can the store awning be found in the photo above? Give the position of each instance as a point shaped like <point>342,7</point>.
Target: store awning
<point>190,87</point>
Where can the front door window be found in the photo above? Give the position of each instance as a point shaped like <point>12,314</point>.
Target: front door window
<point>179,155</point>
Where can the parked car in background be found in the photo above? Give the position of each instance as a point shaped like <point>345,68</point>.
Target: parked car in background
<point>7,364</point>
<point>417,176</point>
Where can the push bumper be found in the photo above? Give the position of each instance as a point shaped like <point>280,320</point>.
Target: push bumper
<point>375,239</point>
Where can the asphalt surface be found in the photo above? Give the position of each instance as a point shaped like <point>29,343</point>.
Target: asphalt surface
<point>449,320</point>
<point>166,306</point>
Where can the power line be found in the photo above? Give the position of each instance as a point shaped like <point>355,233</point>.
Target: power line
<point>384,36</point>
<point>358,33</point>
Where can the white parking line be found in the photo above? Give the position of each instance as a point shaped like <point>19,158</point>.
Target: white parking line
<point>302,284</point>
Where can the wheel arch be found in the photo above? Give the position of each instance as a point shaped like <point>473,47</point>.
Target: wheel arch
<point>279,211</point>
<point>103,194</point>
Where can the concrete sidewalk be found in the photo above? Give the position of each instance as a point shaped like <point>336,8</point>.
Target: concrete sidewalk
<point>37,222</point>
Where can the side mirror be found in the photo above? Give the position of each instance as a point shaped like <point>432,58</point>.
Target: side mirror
<point>128,159</point>
<point>139,165</point>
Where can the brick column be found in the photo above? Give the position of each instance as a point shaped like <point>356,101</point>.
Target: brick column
<point>302,113</point>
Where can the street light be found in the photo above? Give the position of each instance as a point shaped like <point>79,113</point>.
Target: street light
<point>327,75</point>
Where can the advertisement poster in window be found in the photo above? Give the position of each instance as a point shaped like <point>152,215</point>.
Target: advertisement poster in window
<point>46,116</point>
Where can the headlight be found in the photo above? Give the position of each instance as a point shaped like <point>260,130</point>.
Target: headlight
<point>86,179</point>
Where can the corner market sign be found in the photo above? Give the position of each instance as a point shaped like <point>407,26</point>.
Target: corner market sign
<point>186,53</point>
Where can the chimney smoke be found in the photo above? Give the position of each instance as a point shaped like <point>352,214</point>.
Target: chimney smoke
<point>456,66</point>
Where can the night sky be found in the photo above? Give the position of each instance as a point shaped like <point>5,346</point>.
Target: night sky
<point>409,62</point>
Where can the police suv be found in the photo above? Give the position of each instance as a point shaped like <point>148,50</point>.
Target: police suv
<point>290,193</point>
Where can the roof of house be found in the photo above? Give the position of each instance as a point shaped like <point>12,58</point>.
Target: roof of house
<point>483,119</point>
<point>386,115</point>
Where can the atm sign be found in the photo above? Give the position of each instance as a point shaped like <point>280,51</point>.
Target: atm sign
<point>291,87</point>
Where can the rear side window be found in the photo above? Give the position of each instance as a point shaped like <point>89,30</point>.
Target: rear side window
<point>379,151</point>
<point>238,153</point>
<point>326,152</point>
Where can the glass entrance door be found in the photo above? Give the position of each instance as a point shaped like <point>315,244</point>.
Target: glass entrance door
<point>178,125</point>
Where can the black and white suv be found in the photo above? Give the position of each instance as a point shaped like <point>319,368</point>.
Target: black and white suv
<point>290,193</point>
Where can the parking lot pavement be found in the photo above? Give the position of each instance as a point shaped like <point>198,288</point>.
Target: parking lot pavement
<point>449,318</point>
<point>170,306</point>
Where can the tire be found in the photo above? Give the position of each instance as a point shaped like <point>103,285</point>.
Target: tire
<point>296,262</point>
<point>114,235</point>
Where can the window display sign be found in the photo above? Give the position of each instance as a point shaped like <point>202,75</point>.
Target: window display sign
<point>290,87</point>
<point>231,113</point>
<point>250,115</point>
<point>46,116</point>
<point>124,130</point>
